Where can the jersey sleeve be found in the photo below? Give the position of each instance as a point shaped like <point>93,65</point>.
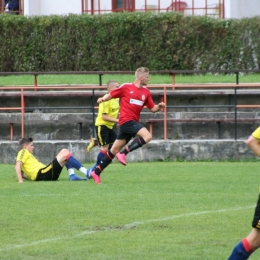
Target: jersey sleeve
<point>118,92</point>
<point>149,101</point>
<point>22,156</point>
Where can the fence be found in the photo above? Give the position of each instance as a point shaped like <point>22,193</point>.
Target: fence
<point>164,91</point>
<point>212,8</point>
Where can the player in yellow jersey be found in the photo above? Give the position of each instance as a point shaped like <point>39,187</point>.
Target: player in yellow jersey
<point>105,121</point>
<point>28,167</point>
<point>249,244</point>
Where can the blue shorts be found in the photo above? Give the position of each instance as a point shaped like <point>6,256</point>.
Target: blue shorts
<point>129,130</point>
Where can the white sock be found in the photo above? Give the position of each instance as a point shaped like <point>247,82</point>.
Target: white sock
<point>83,170</point>
<point>71,171</point>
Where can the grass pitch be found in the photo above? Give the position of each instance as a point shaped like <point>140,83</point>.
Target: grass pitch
<point>122,78</point>
<point>155,210</point>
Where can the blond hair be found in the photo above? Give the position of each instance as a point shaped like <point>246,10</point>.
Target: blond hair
<point>110,83</point>
<point>140,71</point>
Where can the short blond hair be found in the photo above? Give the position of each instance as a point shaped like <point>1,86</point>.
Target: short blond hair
<point>110,84</point>
<point>140,71</point>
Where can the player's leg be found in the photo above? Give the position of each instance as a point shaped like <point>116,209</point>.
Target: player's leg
<point>105,138</point>
<point>72,174</point>
<point>143,136</point>
<point>107,159</point>
<point>249,244</point>
<point>253,142</point>
<point>51,172</point>
<point>64,157</point>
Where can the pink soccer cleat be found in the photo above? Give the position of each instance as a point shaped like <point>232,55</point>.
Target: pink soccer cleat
<point>121,158</point>
<point>95,177</point>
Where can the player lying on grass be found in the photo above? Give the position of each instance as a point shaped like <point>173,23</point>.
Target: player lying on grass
<point>249,244</point>
<point>28,167</point>
<point>133,97</point>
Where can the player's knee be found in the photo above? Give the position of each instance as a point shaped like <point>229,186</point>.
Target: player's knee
<point>148,138</point>
<point>250,141</point>
<point>64,152</point>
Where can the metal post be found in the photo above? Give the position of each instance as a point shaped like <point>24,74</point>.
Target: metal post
<point>11,131</point>
<point>235,101</point>
<point>22,112</point>
<point>100,79</point>
<point>165,113</point>
<point>35,82</point>
<point>219,130</point>
<point>80,130</point>
<point>235,120</point>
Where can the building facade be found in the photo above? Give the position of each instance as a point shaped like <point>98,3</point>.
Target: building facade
<point>213,8</point>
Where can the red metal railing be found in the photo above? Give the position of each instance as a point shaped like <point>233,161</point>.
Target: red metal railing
<point>36,88</point>
<point>213,8</point>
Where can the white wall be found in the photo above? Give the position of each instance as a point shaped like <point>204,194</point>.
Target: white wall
<point>48,7</point>
<point>32,7</point>
<point>60,7</point>
<point>233,8</point>
<point>243,8</point>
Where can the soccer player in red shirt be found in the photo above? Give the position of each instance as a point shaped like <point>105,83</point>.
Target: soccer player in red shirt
<point>133,97</point>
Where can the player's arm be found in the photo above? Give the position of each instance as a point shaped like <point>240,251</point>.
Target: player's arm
<point>157,107</point>
<point>18,169</point>
<point>108,118</point>
<point>25,176</point>
<point>104,98</point>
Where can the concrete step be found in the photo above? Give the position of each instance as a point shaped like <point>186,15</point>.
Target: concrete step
<point>189,150</point>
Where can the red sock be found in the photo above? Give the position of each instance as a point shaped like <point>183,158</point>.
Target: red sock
<point>246,245</point>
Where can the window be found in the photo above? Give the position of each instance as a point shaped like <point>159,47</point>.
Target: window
<point>123,5</point>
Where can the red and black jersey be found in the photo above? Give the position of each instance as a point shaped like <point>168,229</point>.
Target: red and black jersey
<point>132,101</point>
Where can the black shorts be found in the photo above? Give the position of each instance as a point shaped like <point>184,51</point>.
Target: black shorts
<point>256,220</point>
<point>105,135</point>
<point>129,130</point>
<point>50,173</point>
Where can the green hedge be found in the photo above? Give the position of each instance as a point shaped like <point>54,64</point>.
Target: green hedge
<point>125,41</point>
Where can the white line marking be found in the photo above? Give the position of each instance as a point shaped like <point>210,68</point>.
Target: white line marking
<point>127,226</point>
<point>41,195</point>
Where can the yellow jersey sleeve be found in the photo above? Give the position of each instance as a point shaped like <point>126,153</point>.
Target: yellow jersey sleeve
<point>30,165</point>
<point>111,108</point>
<point>256,133</point>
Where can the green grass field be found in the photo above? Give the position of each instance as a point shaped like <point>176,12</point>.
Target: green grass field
<point>156,210</point>
<point>154,79</point>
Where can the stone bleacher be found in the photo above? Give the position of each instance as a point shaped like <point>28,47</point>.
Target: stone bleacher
<point>58,115</point>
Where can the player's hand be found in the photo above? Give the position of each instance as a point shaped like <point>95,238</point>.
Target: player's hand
<point>162,105</point>
<point>100,100</point>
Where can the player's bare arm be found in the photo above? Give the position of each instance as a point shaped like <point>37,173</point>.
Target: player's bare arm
<point>18,169</point>
<point>157,107</point>
<point>106,117</point>
<point>105,98</point>
<point>25,177</point>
